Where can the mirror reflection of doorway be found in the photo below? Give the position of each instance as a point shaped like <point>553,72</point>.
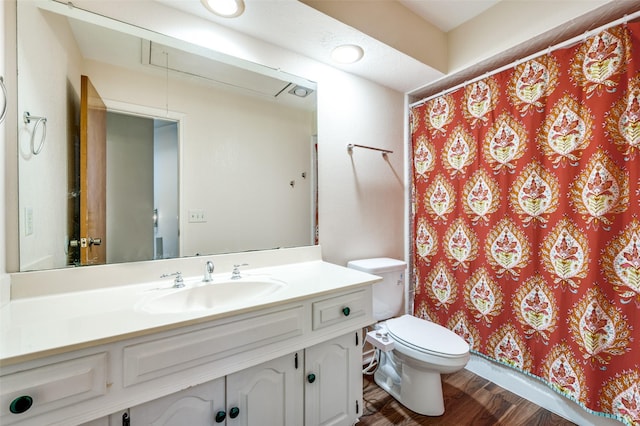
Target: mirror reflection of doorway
<point>142,165</point>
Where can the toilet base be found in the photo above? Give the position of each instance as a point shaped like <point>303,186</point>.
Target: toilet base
<point>417,389</point>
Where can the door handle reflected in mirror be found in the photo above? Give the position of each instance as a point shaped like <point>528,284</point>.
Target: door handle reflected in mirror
<point>83,242</point>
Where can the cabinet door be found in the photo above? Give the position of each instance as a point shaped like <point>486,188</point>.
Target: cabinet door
<point>269,394</point>
<point>198,405</point>
<point>333,381</point>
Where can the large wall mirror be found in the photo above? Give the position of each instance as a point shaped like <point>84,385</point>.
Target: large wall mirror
<point>202,153</point>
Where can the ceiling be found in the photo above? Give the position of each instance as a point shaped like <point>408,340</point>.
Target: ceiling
<point>136,53</point>
<point>314,27</point>
<point>447,14</point>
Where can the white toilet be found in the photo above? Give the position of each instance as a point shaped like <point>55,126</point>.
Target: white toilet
<point>413,352</point>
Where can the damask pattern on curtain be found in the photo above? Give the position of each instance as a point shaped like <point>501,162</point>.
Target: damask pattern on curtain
<point>526,218</point>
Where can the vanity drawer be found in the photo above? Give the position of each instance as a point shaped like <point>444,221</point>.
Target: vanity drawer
<point>150,360</point>
<point>52,386</point>
<point>339,309</point>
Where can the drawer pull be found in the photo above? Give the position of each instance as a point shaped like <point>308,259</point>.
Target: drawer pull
<point>234,412</point>
<point>220,416</point>
<point>21,404</point>
<point>346,311</point>
<point>311,377</point>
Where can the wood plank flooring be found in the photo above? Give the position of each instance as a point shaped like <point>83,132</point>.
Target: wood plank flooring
<point>468,399</point>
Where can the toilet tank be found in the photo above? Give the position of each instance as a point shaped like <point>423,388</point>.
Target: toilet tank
<point>388,293</point>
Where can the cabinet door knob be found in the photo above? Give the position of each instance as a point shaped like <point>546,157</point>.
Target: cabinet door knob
<point>346,311</point>
<point>311,377</point>
<point>220,416</point>
<point>234,412</point>
<point>21,404</point>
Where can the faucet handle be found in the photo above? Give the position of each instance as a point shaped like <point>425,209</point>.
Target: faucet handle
<point>178,282</point>
<point>236,271</point>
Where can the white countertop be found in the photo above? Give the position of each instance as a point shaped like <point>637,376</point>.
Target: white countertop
<point>35,327</point>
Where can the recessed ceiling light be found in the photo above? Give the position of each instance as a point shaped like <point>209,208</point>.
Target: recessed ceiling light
<point>225,8</point>
<point>300,91</point>
<point>347,54</point>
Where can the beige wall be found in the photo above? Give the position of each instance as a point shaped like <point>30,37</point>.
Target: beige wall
<point>511,23</point>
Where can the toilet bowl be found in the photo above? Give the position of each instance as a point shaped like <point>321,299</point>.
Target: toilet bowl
<point>422,350</point>
<point>410,368</point>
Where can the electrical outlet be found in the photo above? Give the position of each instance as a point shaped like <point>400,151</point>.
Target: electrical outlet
<point>197,216</point>
<point>28,221</point>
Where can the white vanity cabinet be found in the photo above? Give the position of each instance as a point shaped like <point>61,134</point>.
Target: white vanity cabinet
<point>322,385</point>
<point>47,386</point>
<point>198,405</point>
<point>333,381</point>
<point>269,394</point>
<point>288,363</point>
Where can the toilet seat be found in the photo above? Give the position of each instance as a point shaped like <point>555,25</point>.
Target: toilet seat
<point>427,337</point>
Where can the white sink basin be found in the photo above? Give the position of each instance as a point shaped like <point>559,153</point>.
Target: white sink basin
<point>214,295</point>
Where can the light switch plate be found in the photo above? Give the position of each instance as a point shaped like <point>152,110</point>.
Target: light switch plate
<point>197,216</point>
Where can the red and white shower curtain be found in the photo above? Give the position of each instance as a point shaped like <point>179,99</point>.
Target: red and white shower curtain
<point>526,218</point>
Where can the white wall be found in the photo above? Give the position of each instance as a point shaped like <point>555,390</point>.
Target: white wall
<point>45,247</point>
<point>361,195</point>
<point>6,40</point>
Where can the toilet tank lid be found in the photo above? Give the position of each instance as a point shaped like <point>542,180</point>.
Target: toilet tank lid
<point>377,265</point>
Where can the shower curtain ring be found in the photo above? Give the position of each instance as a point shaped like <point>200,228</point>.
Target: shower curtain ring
<point>39,121</point>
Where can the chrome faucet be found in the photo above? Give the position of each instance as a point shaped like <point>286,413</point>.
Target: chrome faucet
<point>235,275</point>
<point>208,270</point>
<point>178,282</point>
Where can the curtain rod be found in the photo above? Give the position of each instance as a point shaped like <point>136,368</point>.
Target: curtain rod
<point>548,50</point>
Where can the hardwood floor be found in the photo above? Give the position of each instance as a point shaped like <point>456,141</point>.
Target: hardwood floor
<point>468,400</point>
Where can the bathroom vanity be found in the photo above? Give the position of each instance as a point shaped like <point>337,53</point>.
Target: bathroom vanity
<point>288,352</point>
